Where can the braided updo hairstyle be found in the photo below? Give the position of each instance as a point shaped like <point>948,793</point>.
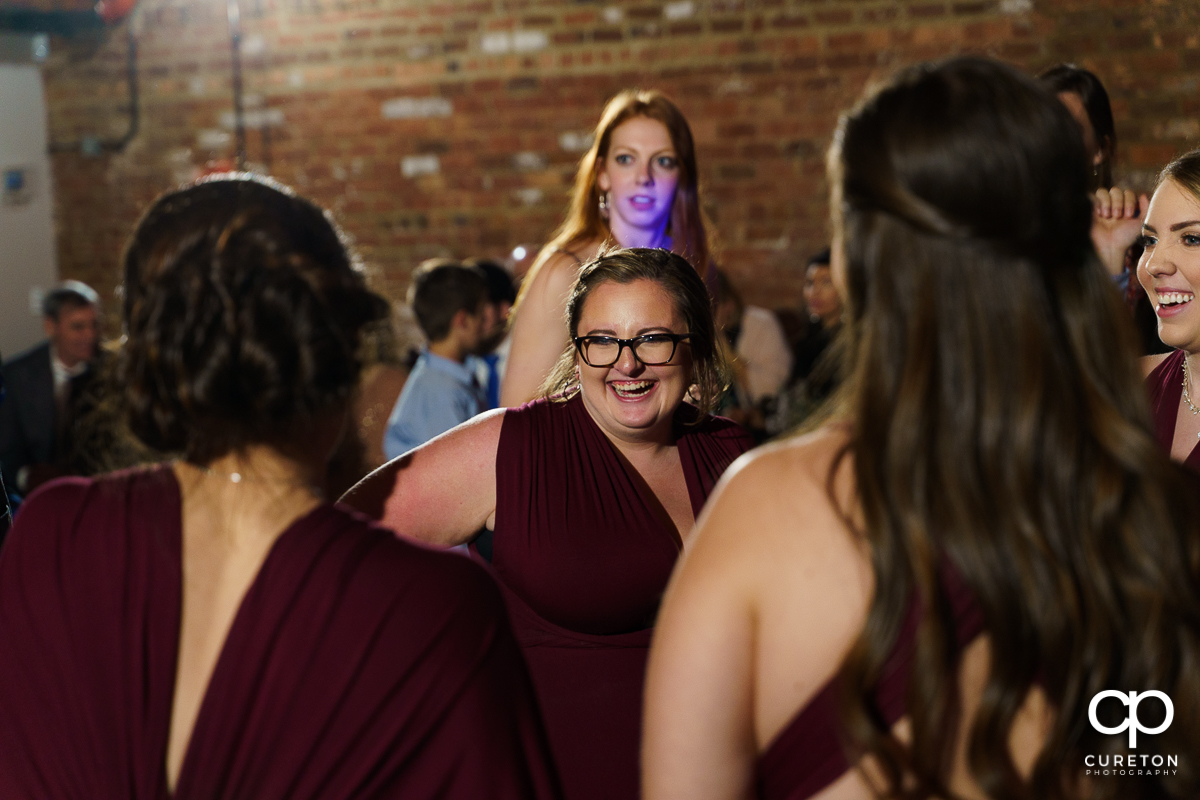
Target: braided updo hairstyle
<point>243,309</point>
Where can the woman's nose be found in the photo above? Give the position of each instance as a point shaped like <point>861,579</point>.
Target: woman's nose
<point>1155,262</point>
<point>628,362</point>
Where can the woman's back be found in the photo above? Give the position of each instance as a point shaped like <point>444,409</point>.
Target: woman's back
<point>777,551</point>
<point>991,431</point>
<point>210,627</point>
<point>356,665</point>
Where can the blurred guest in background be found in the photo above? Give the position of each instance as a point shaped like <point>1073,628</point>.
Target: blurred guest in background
<point>211,627</point>
<point>45,388</point>
<point>450,302</point>
<point>1119,211</point>
<point>502,293</point>
<point>815,370</point>
<point>5,512</point>
<point>589,493</point>
<point>637,186</point>
<point>824,312</point>
<point>761,359</point>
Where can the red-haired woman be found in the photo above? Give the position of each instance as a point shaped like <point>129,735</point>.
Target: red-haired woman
<point>636,187</point>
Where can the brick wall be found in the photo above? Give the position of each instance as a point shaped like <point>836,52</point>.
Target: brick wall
<point>453,127</point>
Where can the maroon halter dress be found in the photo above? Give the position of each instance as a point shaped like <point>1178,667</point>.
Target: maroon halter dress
<point>358,665</point>
<point>1165,384</point>
<point>584,553</point>
<point>808,754</point>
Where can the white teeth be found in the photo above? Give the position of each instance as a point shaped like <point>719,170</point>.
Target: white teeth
<point>1173,298</point>
<point>632,389</point>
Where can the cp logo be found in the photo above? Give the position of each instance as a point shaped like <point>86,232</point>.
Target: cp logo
<point>1131,722</point>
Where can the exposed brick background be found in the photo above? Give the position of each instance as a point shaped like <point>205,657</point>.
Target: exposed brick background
<point>485,104</point>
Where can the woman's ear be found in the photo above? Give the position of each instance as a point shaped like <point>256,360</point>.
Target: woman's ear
<point>603,182</point>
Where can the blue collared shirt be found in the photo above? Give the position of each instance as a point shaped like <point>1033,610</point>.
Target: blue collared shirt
<point>438,395</point>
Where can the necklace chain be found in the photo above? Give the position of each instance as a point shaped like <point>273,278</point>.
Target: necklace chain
<point>1187,395</point>
<point>238,477</point>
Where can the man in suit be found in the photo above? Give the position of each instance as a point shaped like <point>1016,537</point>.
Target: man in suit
<point>42,387</point>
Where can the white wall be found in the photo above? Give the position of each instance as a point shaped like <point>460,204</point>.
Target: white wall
<point>27,257</point>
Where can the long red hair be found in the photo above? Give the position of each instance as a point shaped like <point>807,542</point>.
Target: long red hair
<point>687,228</point>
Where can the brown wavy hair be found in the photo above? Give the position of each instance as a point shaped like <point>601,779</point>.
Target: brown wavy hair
<point>243,312</point>
<point>710,369</point>
<point>687,227</point>
<point>1184,171</point>
<point>999,422</point>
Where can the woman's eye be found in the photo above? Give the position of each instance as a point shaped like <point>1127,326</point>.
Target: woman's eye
<point>624,159</point>
<point>667,162</point>
<point>1146,241</point>
<point>1190,239</point>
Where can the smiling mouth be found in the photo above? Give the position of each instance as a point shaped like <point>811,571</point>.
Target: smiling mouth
<point>641,200</point>
<point>631,390</point>
<point>1169,299</point>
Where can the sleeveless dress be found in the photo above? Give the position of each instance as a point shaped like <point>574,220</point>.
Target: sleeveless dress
<point>808,755</point>
<point>583,556</point>
<point>1165,384</point>
<point>357,666</point>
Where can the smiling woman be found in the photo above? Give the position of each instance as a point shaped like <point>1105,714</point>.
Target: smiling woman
<point>1169,271</point>
<point>590,493</point>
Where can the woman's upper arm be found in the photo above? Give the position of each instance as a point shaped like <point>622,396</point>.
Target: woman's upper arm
<point>539,330</point>
<point>768,598</point>
<point>442,492</point>
<point>698,739</point>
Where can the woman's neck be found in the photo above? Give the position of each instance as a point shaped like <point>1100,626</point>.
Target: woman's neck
<point>631,236</point>
<point>253,492</point>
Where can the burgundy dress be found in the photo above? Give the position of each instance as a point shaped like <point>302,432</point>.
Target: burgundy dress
<point>1165,383</point>
<point>584,556</point>
<point>357,666</point>
<point>808,755</point>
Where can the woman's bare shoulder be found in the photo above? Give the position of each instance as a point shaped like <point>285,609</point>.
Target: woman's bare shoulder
<point>1150,363</point>
<point>782,469</point>
<point>554,273</point>
<point>782,491</point>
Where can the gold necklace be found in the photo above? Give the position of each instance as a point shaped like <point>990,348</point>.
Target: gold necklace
<point>1187,397</point>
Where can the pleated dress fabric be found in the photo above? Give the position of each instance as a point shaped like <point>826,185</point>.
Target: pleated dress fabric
<point>357,666</point>
<point>583,553</point>
<point>809,754</point>
<point>1165,384</point>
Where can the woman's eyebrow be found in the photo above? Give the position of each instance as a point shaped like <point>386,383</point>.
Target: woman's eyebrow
<point>1178,226</point>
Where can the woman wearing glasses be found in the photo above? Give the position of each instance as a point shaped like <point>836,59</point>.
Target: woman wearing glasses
<point>590,493</point>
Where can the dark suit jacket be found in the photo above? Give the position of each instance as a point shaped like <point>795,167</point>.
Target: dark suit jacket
<point>27,413</point>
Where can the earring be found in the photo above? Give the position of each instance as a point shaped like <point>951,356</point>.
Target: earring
<point>604,205</point>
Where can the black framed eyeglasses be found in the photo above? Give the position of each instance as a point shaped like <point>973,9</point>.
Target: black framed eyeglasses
<point>651,349</point>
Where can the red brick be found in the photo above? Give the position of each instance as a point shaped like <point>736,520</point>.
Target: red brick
<point>762,82</point>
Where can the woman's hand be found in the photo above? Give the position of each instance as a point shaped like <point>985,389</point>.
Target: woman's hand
<point>1116,224</point>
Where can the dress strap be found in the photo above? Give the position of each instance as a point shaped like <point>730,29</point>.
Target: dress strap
<point>569,253</point>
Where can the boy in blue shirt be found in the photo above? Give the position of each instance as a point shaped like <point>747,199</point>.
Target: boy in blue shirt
<point>450,302</point>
